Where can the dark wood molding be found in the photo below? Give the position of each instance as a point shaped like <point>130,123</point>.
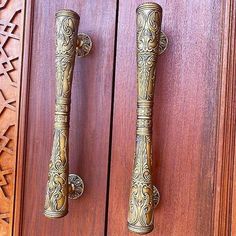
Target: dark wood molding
<point>22,114</point>
<point>225,146</point>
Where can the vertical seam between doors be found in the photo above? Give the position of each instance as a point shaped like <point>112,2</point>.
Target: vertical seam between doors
<point>111,120</point>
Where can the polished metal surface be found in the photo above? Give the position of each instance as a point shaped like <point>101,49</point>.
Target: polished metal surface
<point>76,186</point>
<point>156,196</point>
<point>143,195</point>
<point>59,186</point>
<point>84,45</point>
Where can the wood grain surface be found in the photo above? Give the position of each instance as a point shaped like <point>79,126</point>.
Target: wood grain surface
<point>185,118</point>
<point>90,118</point>
<point>225,194</point>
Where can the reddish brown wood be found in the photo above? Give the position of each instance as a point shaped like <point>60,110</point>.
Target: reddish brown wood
<point>185,118</point>
<point>233,217</point>
<point>90,118</point>
<point>224,217</point>
<point>27,22</point>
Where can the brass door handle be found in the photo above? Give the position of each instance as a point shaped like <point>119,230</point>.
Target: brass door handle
<point>151,42</point>
<point>60,184</point>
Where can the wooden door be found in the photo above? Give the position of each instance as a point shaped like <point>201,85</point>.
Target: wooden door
<point>185,111</point>
<point>194,118</point>
<point>90,117</point>
<point>91,94</point>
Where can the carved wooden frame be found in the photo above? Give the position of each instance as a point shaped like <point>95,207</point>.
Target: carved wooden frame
<point>11,34</point>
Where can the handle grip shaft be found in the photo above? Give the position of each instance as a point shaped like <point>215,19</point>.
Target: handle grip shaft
<point>56,203</point>
<point>141,207</point>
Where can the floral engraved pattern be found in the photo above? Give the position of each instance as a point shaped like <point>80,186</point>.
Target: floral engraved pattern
<point>10,51</point>
<point>56,203</point>
<point>140,218</point>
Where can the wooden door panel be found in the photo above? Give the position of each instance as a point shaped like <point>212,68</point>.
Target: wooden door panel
<point>185,112</point>
<point>90,118</point>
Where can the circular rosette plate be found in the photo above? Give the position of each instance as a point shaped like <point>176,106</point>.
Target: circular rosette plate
<point>156,196</point>
<point>84,45</point>
<point>163,43</point>
<point>76,186</point>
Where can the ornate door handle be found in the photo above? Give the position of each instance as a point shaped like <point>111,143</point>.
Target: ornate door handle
<point>60,184</point>
<point>151,42</point>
